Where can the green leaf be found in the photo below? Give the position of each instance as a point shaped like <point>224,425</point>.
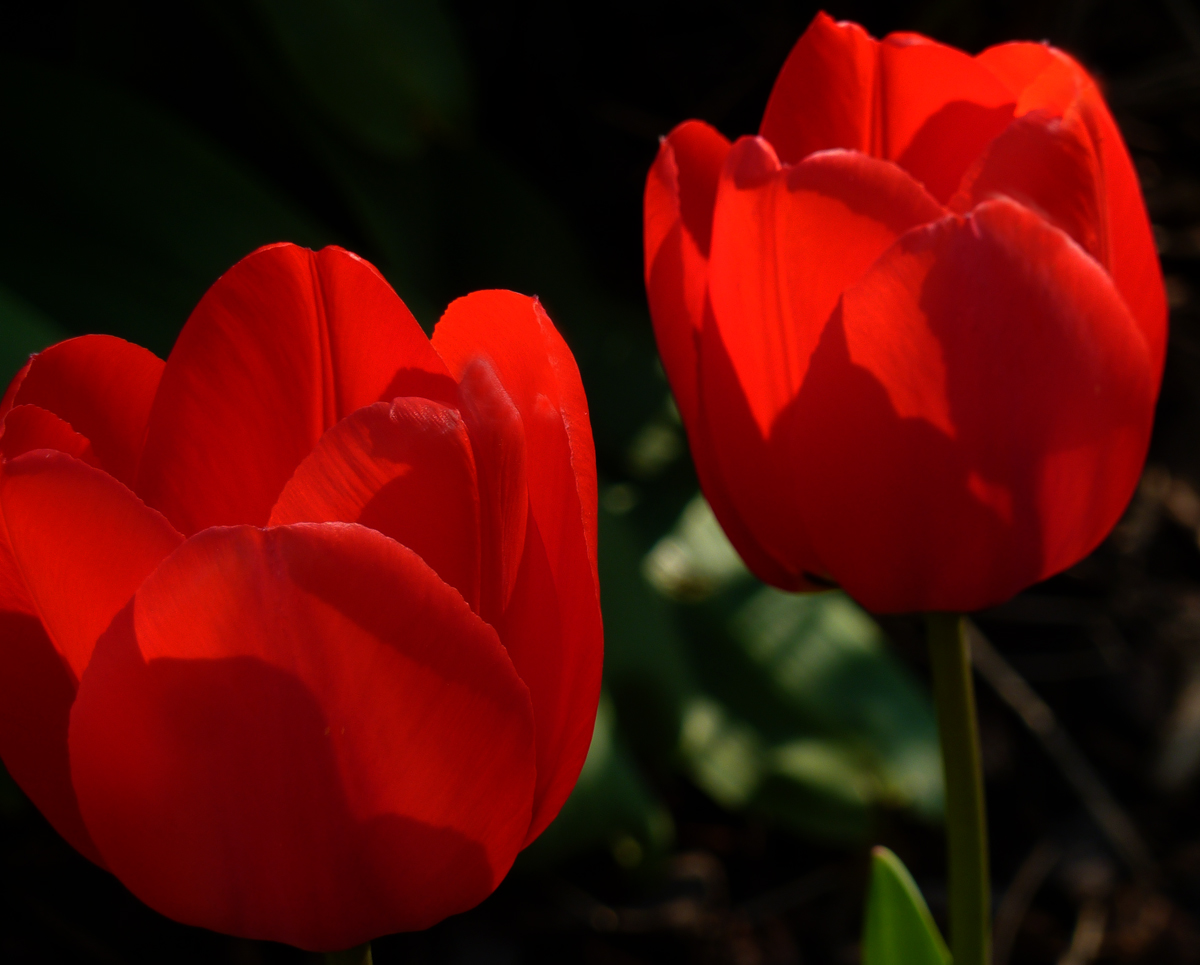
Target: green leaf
<point>899,929</point>
<point>389,74</point>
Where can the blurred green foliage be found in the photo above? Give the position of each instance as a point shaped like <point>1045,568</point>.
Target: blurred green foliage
<point>119,211</point>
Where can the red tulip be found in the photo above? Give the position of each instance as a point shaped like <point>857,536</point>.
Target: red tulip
<point>301,629</point>
<point>916,326</point>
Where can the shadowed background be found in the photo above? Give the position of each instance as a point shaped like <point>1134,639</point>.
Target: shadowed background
<point>750,745</point>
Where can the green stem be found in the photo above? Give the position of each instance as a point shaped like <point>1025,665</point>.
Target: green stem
<point>966,823</point>
<point>353,956</point>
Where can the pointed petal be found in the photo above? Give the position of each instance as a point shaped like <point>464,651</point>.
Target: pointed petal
<point>680,192</point>
<point>286,344</point>
<point>1016,65</point>
<point>786,242</point>
<point>824,97</point>
<point>404,469</point>
<point>558,654</point>
<point>29,427</point>
<point>103,388</point>
<point>994,401</point>
<point>82,543</point>
<point>10,394</point>
<point>78,543</point>
<point>302,734</point>
<point>940,108</point>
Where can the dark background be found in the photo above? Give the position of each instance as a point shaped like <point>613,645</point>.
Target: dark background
<point>729,802</point>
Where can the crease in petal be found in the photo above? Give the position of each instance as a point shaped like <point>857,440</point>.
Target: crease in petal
<point>405,469</point>
<point>284,345</point>
<point>103,388</point>
<point>346,743</point>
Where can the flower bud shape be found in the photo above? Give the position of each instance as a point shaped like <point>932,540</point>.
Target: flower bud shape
<point>915,327</point>
<point>300,630</point>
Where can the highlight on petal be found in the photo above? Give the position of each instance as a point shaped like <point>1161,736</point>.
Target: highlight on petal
<point>824,97</point>
<point>994,400</point>
<point>103,388</point>
<point>680,193</point>
<point>302,734</point>
<point>78,543</point>
<point>404,469</point>
<point>556,646</point>
<point>285,345</point>
<point>787,241</point>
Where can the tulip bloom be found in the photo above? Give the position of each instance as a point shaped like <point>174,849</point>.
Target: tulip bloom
<point>916,326</point>
<point>301,631</point>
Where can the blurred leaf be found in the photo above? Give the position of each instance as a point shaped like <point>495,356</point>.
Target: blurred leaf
<point>725,755</point>
<point>830,660</point>
<point>389,73</point>
<point>23,331</point>
<point>899,929</point>
<point>118,217</point>
<point>695,560</point>
<point>610,807</point>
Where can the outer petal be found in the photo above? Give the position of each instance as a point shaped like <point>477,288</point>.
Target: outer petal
<point>786,242</point>
<point>1050,81</point>
<point>404,469</point>
<point>103,388</point>
<point>994,402</point>
<point>552,627</point>
<point>824,97</point>
<point>28,427</point>
<point>286,344</point>
<point>79,543</point>
<point>681,190</point>
<point>302,734</point>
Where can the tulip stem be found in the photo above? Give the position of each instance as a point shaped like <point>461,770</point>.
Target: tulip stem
<point>353,956</point>
<point>966,822</point>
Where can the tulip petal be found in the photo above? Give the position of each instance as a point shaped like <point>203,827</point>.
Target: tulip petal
<point>404,469</point>
<point>29,427</point>
<point>80,544</point>
<point>824,96</point>
<point>303,734</point>
<point>680,193</point>
<point>285,345</point>
<point>552,627</point>
<point>940,108</point>
<point>928,107</point>
<point>1048,165</point>
<point>1051,81</point>
<point>786,242</point>
<point>994,399</point>
<point>103,387</point>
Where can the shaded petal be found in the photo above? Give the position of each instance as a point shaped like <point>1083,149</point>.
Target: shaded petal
<point>824,96</point>
<point>29,427</point>
<point>303,734</point>
<point>103,387</point>
<point>1048,165</point>
<point>940,108</point>
<point>994,401</point>
<point>786,243</point>
<point>560,655</point>
<point>78,543</point>
<point>82,543</point>
<point>404,469</point>
<point>681,190</point>
<point>285,345</point>
<point>1016,65</point>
